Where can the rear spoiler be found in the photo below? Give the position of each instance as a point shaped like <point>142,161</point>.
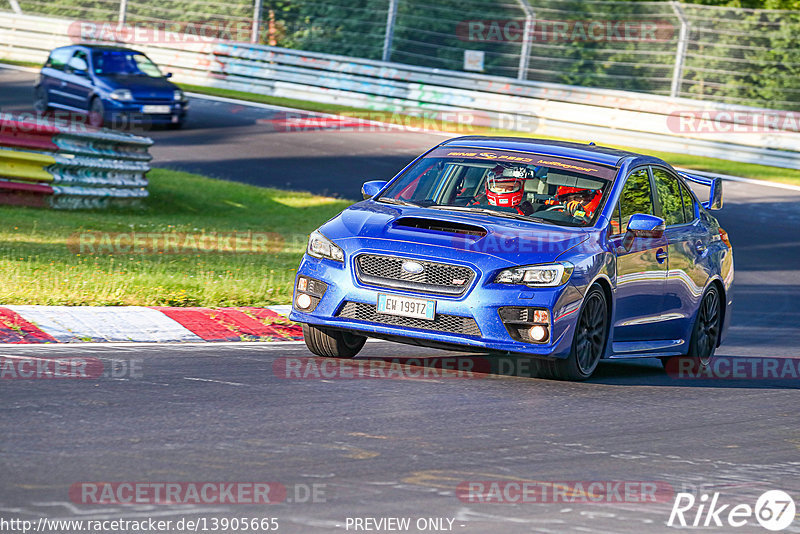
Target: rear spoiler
<point>714,201</point>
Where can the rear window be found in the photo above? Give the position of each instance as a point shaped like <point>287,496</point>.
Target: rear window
<point>58,58</point>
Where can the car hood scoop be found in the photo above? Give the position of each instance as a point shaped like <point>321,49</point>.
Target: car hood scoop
<point>441,225</point>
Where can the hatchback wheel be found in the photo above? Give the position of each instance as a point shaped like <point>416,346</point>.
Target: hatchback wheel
<point>332,343</point>
<point>96,113</point>
<point>588,343</point>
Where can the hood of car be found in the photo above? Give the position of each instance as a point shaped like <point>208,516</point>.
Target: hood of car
<point>141,86</point>
<point>446,235</point>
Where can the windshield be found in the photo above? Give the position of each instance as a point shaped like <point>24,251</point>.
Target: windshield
<point>124,62</point>
<point>505,184</point>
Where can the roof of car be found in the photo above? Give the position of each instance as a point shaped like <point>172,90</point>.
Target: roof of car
<point>583,152</point>
<point>95,46</point>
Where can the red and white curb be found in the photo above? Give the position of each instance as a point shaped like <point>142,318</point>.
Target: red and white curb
<point>71,324</point>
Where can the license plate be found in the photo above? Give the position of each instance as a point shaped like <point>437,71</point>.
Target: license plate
<point>407,307</point>
<point>156,110</point>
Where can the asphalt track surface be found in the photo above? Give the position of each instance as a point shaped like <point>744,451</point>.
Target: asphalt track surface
<point>400,447</point>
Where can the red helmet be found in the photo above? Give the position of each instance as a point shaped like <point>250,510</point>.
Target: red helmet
<point>505,187</point>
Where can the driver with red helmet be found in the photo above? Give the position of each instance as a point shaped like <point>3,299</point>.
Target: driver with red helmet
<point>505,187</point>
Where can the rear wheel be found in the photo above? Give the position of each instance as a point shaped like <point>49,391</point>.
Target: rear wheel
<point>588,344</point>
<point>705,333</point>
<point>706,328</point>
<point>332,343</point>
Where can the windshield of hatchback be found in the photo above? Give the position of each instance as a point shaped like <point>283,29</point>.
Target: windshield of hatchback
<point>505,184</point>
<point>124,62</point>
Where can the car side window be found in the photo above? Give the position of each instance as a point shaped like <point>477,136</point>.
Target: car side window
<point>636,197</point>
<point>689,205</point>
<point>80,61</point>
<point>669,196</point>
<point>58,58</point>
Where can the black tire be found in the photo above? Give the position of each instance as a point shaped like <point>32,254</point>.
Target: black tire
<point>332,343</point>
<point>705,334</point>
<point>588,343</point>
<point>40,102</point>
<point>96,113</point>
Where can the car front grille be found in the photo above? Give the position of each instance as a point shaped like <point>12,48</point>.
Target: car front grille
<point>453,324</point>
<point>438,278</point>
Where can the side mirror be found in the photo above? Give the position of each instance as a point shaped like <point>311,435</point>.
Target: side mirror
<point>642,225</point>
<point>370,189</point>
<point>168,75</point>
<point>715,195</point>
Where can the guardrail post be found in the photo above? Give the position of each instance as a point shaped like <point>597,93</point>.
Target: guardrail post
<point>15,7</point>
<point>123,12</point>
<point>680,53</point>
<point>387,40</point>
<point>256,22</point>
<point>527,38</point>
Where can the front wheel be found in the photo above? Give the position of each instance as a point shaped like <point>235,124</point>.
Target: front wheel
<point>588,343</point>
<point>332,343</point>
<point>40,102</point>
<point>97,113</point>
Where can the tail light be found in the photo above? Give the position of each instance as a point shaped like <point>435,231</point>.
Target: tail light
<point>724,236</point>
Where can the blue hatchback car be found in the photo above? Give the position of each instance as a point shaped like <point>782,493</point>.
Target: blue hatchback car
<point>113,85</point>
<point>564,252</point>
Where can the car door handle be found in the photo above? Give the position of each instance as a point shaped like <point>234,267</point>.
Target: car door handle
<point>661,256</point>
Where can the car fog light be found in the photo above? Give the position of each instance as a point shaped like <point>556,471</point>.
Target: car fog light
<point>303,301</point>
<point>538,333</point>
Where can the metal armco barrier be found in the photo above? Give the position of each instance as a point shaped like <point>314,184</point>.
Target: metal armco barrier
<point>44,164</point>
<point>639,120</point>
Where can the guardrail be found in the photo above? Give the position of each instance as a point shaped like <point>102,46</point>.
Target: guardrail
<point>44,164</point>
<point>645,121</point>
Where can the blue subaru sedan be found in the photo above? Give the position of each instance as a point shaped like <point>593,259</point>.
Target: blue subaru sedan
<point>112,85</point>
<point>563,252</point>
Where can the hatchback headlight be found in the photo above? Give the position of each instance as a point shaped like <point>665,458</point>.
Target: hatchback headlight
<point>548,275</point>
<point>178,95</point>
<point>121,94</point>
<point>320,246</point>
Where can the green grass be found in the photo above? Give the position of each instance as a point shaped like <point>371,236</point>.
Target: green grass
<point>22,63</point>
<point>747,170</point>
<point>39,268</point>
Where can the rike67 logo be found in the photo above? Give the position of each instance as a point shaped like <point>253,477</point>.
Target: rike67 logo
<point>774,510</point>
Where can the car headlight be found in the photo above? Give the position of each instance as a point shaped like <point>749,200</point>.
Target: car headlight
<point>178,95</point>
<point>548,275</point>
<point>320,246</point>
<point>121,94</point>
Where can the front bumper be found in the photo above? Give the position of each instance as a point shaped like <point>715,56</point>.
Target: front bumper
<point>480,302</point>
<point>132,112</point>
